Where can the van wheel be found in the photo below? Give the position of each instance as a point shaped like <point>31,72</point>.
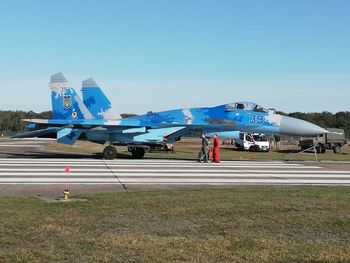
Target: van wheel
<point>252,149</point>
<point>336,148</point>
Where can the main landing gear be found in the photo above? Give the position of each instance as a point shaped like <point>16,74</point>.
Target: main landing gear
<point>110,152</point>
<point>137,152</point>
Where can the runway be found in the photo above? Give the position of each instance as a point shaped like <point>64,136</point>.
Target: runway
<point>126,172</point>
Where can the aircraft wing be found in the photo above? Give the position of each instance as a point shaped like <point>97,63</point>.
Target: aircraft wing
<point>170,134</point>
<point>176,133</point>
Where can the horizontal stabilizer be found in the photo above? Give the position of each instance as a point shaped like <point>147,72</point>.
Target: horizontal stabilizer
<point>40,121</point>
<point>94,123</point>
<point>68,136</point>
<point>37,133</point>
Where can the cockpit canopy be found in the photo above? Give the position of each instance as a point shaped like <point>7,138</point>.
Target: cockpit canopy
<point>249,106</point>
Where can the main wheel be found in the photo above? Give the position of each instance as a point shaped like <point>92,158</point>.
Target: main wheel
<point>110,152</point>
<point>336,148</point>
<point>137,153</point>
<point>319,148</point>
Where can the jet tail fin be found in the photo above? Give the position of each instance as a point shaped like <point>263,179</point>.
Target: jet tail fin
<point>66,104</point>
<point>97,102</point>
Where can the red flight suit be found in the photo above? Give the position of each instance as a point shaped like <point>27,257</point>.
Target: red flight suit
<point>216,157</point>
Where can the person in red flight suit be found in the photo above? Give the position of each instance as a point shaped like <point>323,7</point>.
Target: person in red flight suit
<point>216,156</point>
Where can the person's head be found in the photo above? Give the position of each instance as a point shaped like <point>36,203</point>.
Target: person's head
<point>203,135</point>
<point>215,135</point>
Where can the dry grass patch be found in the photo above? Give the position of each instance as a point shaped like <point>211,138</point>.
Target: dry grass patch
<point>189,148</point>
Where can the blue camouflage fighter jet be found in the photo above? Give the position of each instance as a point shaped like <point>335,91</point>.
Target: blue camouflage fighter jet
<point>94,119</point>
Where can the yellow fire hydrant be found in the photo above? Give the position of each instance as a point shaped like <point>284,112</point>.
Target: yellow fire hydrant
<point>65,194</point>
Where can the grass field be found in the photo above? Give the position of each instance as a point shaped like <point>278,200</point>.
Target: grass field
<point>189,148</point>
<point>244,224</point>
<point>241,224</point>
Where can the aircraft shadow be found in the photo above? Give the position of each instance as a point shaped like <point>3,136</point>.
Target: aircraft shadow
<point>49,155</point>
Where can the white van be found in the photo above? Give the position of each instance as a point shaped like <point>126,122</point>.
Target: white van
<point>253,142</point>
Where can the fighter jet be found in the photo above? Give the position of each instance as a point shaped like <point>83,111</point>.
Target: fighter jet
<point>94,119</point>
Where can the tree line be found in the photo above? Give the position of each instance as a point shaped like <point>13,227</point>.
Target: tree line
<point>11,121</point>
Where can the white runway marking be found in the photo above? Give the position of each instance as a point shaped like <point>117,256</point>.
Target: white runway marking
<point>146,172</point>
<point>160,166</point>
<point>180,170</point>
<point>167,181</point>
<point>174,175</point>
<point>146,163</point>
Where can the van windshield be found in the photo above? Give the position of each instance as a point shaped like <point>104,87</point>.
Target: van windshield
<point>260,138</point>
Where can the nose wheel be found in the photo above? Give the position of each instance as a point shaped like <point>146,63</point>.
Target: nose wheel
<point>110,152</point>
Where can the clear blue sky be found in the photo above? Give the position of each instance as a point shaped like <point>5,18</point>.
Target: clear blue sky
<point>293,55</point>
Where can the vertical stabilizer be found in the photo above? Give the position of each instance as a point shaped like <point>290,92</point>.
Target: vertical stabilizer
<point>97,102</point>
<point>66,104</point>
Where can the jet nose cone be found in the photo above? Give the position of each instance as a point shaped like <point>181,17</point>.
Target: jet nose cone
<point>296,127</point>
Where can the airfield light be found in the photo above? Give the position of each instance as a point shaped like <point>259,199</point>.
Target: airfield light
<point>66,191</point>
